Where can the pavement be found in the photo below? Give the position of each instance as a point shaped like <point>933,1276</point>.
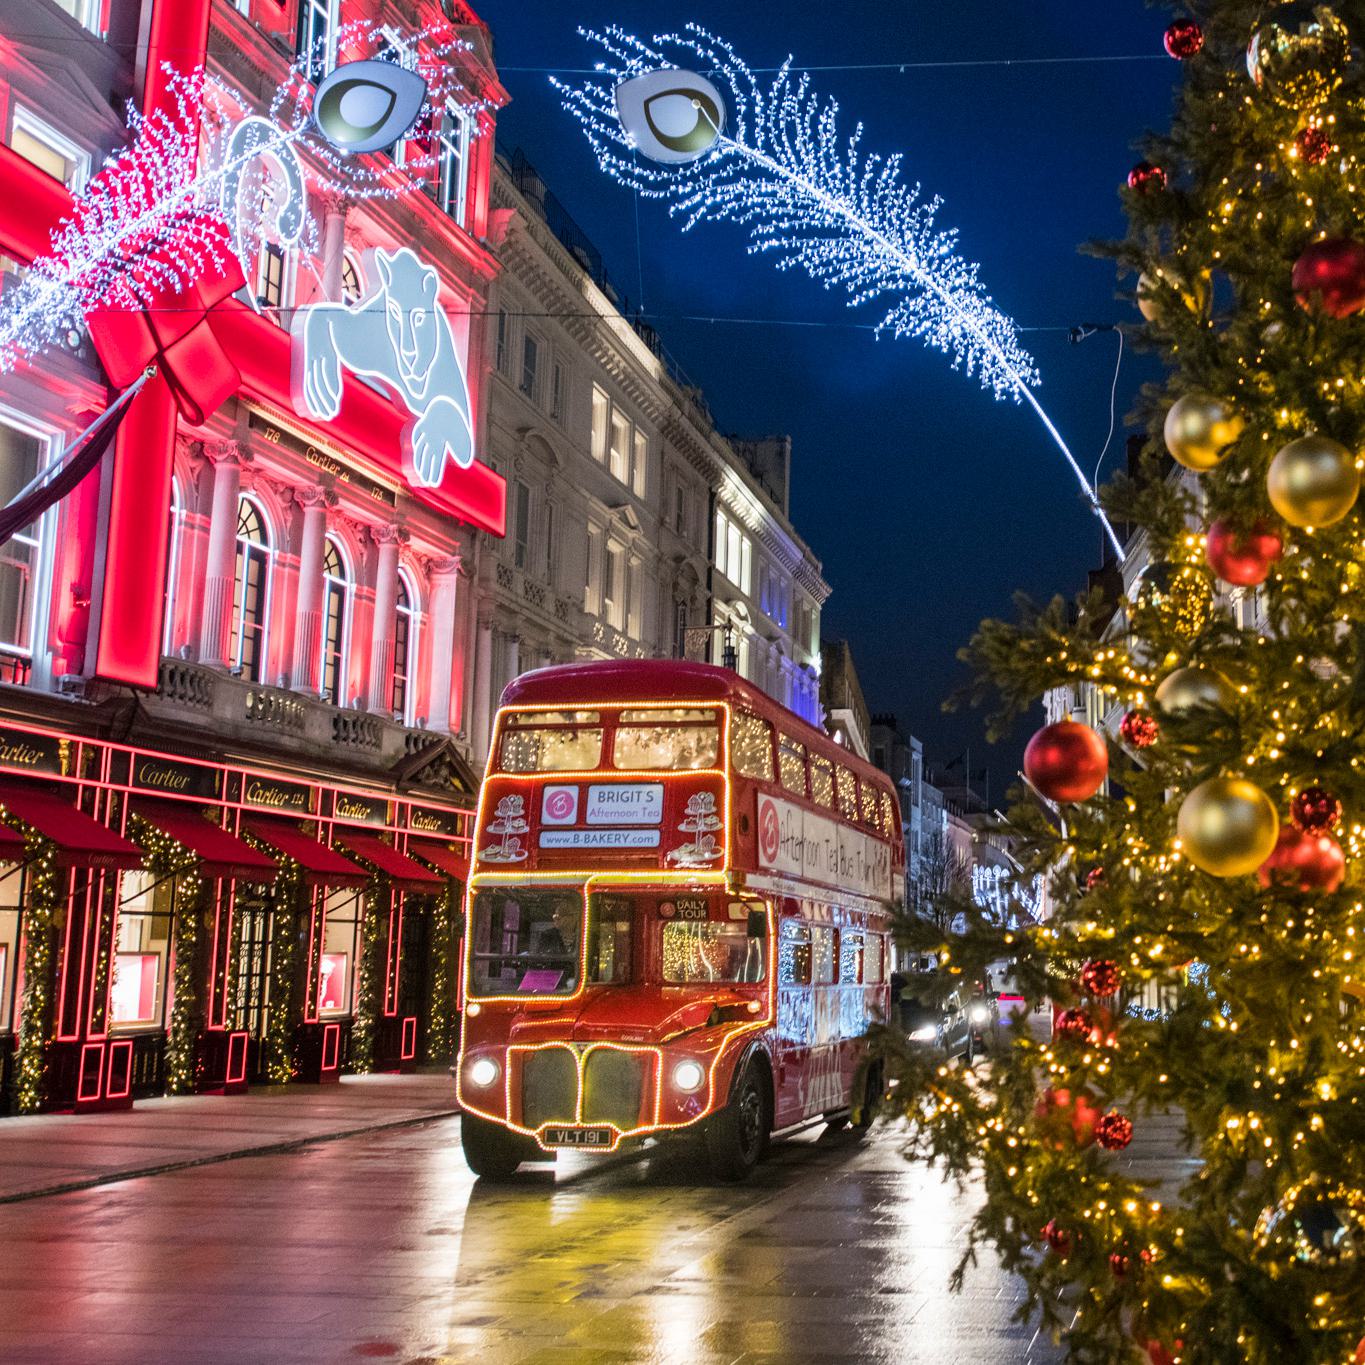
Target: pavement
<point>381,1246</point>
<point>48,1153</point>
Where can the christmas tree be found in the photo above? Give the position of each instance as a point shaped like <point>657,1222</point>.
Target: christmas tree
<point>1202,834</point>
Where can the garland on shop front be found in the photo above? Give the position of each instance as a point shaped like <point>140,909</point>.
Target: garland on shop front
<point>370,988</point>
<point>45,903</point>
<point>280,1064</point>
<point>168,857</point>
<point>447,927</point>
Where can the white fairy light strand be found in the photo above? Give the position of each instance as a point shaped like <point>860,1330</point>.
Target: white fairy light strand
<point>137,231</point>
<point>847,217</point>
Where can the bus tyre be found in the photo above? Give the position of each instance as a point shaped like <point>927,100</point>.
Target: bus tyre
<point>490,1151</point>
<point>738,1134</point>
<point>872,1098</point>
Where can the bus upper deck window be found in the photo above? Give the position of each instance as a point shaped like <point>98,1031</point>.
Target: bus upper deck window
<point>678,740</point>
<point>553,742</point>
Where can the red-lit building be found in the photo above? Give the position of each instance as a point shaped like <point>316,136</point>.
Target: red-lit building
<point>234,777</point>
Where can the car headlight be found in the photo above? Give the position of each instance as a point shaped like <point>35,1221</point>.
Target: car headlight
<point>689,1076</point>
<point>980,1014</point>
<point>927,1033</point>
<point>483,1072</point>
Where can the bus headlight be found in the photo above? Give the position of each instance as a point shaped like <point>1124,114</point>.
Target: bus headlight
<point>927,1034</point>
<point>483,1072</point>
<point>689,1076</point>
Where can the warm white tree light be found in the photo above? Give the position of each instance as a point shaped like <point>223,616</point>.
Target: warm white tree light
<point>780,169</point>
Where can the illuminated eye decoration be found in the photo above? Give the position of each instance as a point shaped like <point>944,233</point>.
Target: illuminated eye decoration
<point>366,106</point>
<point>671,116</point>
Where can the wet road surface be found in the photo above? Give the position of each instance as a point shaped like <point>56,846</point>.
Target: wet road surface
<point>383,1247</point>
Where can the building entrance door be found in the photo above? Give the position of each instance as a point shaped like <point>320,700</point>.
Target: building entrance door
<point>250,994</point>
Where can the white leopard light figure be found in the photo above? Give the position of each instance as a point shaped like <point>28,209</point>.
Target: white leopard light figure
<point>399,334</point>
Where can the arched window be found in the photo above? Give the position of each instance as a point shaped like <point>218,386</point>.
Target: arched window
<point>336,623</point>
<point>352,285</point>
<point>250,593</point>
<point>406,628</point>
<point>175,534</point>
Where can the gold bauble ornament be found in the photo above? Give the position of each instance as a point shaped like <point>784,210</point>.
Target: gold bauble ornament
<point>1299,55</point>
<point>1188,691</point>
<point>1316,1223</point>
<point>1151,292</point>
<point>1199,430</point>
<point>1228,826</point>
<point>1313,481</point>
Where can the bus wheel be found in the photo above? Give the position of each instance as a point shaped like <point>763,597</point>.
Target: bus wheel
<point>872,1098</point>
<point>490,1151</point>
<point>738,1134</point>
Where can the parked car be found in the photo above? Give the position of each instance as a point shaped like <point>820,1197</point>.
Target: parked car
<point>965,1024</point>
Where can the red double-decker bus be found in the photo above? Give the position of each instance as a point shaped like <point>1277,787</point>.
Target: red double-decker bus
<point>678,918</point>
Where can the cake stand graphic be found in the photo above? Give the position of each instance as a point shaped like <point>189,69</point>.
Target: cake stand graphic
<point>510,822</point>
<point>701,821</point>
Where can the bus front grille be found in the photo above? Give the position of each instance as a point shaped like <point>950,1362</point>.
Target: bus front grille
<point>549,1087</point>
<point>613,1087</point>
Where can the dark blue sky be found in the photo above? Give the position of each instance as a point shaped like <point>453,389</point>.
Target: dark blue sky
<point>928,503</point>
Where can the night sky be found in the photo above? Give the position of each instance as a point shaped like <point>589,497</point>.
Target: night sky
<point>928,503</point>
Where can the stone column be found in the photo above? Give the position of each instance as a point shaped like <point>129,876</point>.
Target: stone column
<point>512,659</point>
<point>387,539</point>
<point>462,665</point>
<point>444,584</point>
<point>221,561</point>
<point>308,610</point>
<point>333,246</point>
<point>483,688</point>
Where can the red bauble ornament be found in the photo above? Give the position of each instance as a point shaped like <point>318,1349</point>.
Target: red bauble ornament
<point>1147,178</point>
<point>1304,862</point>
<point>1330,275</point>
<point>1315,810</point>
<point>1360,1352</point>
<point>1120,1262</point>
<point>1094,878</point>
<point>1159,1355</point>
<point>1243,559</point>
<point>1067,761</point>
<point>1113,1131</point>
<point>1184,39</point>
<point>1067,1117</point>
<point>1074,1024</point>
<point>1314,146</point>
<point>1140,729</point>
<point>1100,977</point>
<point>1057,1238</point>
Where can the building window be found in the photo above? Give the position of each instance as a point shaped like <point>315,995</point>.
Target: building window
<point>85,12</point>
<point>175,535</point>
<point>680,510</point>
<point>530,362</point>
<point>454,162</point>
<point>619,444</point>
<point>270,273</point>
<point>601,420</point>
<point>406,630</point>
<point>22,455</point>
<point>557,391</point>
<point>250,593</point>
<point>352,281</point>
<point>336,623</point>
<point>680,630</point>
<point>639,465</point>
<point>614,586</point>
<point>46,148</point>
<point>317,37</point>
<point>503,355</point>
<point>522,525</point>
<point>592,601</point>
<point>551,529</point>
<point>734,553</point>
<point>619,454</point>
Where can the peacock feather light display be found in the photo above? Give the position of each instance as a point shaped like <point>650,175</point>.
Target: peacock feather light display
<point>808,195</point>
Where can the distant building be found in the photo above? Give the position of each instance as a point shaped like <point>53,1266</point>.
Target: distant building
<point>841,695</point>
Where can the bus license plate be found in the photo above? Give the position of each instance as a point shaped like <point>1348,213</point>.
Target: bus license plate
<point>599,1138</point>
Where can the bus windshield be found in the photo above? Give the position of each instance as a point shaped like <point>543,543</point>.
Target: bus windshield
<point>526,941</point>
<point>709,951</point>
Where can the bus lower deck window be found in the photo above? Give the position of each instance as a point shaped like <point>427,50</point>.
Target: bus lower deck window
<point>703,950</point>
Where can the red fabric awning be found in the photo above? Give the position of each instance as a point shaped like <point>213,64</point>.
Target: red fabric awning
<point>318,862</point>
<point>405,873</point>
<point>220,854</point>
<point>79,840</point>
<point>442,856</point>
<point>11,845</point>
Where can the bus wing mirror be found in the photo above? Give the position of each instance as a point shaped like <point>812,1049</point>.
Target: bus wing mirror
<point>758,924</point>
